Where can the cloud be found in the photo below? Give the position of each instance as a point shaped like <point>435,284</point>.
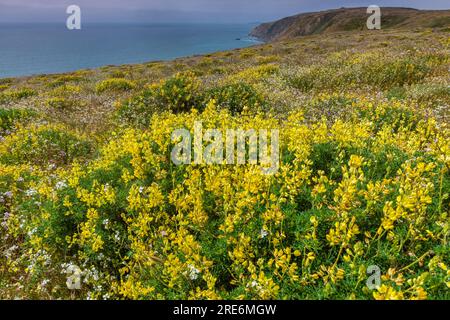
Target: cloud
<point>184,10</point>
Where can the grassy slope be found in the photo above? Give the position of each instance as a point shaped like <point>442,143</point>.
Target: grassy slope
<point>94,109</point>
<point>307,68</point>
<point>350,20</point>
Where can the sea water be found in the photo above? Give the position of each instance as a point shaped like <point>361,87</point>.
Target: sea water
<point>29,49</point>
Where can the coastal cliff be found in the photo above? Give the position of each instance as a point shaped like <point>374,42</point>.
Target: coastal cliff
<point>349,19</point>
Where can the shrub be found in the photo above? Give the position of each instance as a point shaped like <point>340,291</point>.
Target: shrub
<point>64,80</point>
<point>206,62</point>
<point>268,59</point>
<point>150,230</point>
<point>61,103</point>
<point>16,95</point>
<point>179,93</point>
<point>255,74</point>
<point>9,118</point>
<point>5,81</point>
<point>115,85</point>
<point>329,106</point>
<point>398,93</point>
<point>138,110</point>
<point>43,145</point>
<point>396,114</point>
<point>245,54</point>
<point>304,81</point>
<point>235,97</point>
<point>118,74</point>
<point>65,90</point>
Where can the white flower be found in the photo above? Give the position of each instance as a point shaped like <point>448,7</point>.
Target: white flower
<point>30,192</point>
<point>9,252</point>
<point>263,233</point>
<point>60,185</point>
<point>44,282</point>
<point>32,232</point>
<point>193,272</point>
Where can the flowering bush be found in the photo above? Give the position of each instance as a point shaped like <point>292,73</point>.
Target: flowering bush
<point>178,94</point>
<point>9,118</point>
<point>254,74</point>
<point>115,85</point>
<point>64,80</point>
<point>236,97</point>
<point>347,195</point>
<point>44,144</point>
<point>60,103</point>
<point>14,95</point>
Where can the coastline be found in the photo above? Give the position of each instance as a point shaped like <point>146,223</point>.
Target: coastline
<point>97,46</point>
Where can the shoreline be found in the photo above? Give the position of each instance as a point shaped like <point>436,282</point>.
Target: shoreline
<point>127,64</point>
<point>198,44</point>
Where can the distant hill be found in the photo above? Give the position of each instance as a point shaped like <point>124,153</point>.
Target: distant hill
<point>349,19</point>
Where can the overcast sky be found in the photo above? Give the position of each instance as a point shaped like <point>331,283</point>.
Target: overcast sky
<point>157,11</point>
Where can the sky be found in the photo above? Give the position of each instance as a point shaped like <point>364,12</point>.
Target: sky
<point>202,11</point>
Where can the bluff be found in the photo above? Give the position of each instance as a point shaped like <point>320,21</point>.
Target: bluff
<point>349,19</point>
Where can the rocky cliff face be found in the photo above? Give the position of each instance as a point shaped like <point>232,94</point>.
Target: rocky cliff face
<point>349,19</point>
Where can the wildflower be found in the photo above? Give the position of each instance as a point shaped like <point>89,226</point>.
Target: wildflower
<point>385,292</point>
<point>263,233</point>
<point>30,192</point>
<point>60,185</point>
<point>193,272</point>
<point>44,282</point>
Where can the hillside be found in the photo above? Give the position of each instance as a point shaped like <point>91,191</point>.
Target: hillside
<point>87,180</point>
<point>349,19</point>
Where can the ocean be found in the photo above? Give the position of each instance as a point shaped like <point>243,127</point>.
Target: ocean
<point>49,48</point>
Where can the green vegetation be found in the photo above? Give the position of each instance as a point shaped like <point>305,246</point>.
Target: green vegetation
<point>16,95</point>
<point>86,178</point>
<point>114,85</point>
